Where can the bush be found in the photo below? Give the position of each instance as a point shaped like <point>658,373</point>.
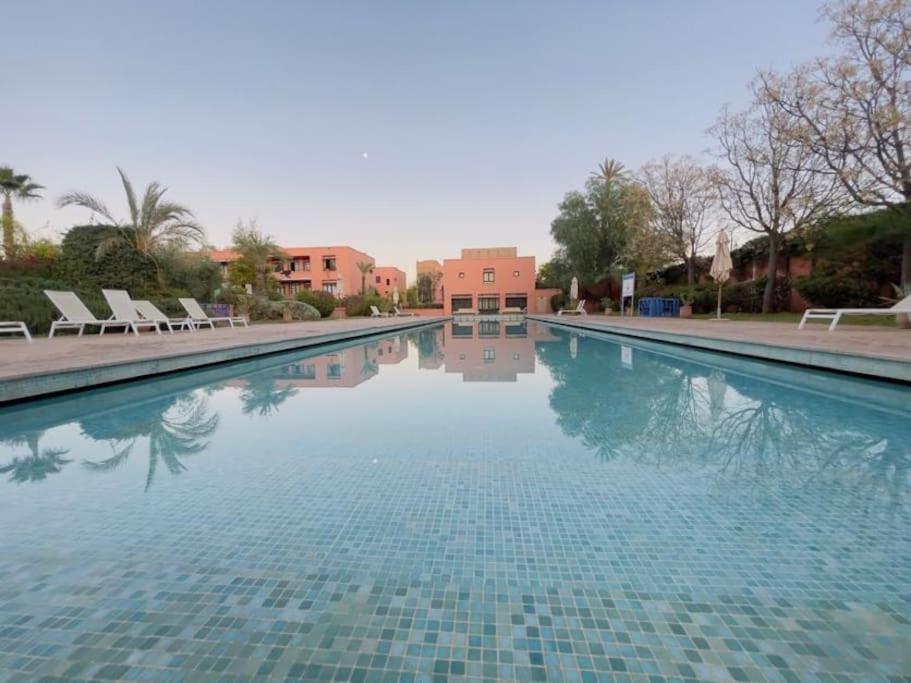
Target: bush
<point>841,290</point>
<point>558,301</point>
<point>121,267</point>
<point>358,305</point>
<point>193,274</point>
<point>22,298</point>
<point>323,302</point>
<point>261,308</point>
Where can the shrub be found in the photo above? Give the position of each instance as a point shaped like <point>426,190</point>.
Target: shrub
<point>193,274</point>
<point>358,305</point>
<point>840,290</point>
<point>122,267</point>
<point>22,298</point>
<point>323,302</point>
<point>558,301</point>
<point>261,308</point>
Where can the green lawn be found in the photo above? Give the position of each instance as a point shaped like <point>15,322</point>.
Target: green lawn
<point>794,318</point>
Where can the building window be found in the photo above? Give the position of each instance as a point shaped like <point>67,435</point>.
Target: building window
<point>488,275</point>
<point>293,267</point>
<point>460,302</point>
<point>462,275</point>
<point>515,273</point>
<point>329,263</point>
<point>277,267</point>
<point>306,264</point>
<point>490,355</point>
<point>387,281</point>
<point>489,328</point>
<point>516,301</point>
<point>488,304</point>
<point>331,288</point>
<point>378,279</point>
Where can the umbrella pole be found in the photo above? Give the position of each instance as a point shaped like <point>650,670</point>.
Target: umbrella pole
<point>718,316</point>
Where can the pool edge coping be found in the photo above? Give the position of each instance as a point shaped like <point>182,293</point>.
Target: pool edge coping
<point>842,362</point>
<point>32,386</point>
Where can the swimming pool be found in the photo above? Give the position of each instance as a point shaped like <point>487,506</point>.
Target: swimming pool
<point>502,501</point>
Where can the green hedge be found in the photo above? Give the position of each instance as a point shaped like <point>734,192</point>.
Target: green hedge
<point>745,297</point>
<point>261,308</point>
<point>839,290</point>
<point>323,302</point>
<point>357,305</point>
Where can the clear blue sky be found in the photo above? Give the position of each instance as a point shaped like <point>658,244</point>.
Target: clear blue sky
<point>476,116</point>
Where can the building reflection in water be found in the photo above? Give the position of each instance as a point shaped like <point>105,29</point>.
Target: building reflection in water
<point>483,351</point>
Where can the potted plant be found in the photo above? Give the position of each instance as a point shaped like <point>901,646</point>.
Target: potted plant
<point>686,305</point>
<point>607,304</point>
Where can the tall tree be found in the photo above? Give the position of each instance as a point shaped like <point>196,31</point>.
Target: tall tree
<point>854,110</point>
<point>593,227</point>
<point>365,267</point>
<point>258,250</point>
<point>154,225</point>
<point>769,181</point>
<point>682,195</point>
<point>14,186</point>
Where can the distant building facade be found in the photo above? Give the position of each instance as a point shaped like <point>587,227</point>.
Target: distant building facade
<point>332,269</point>
<point>385,279</point>
<point>488,280</point>
<point>434,270</point>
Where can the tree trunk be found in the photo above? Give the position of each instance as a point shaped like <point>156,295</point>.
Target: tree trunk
<point>9,229</point>
<point>906,261</point>
<point>691,272</point>
<point>259,283</point>
<point>768,296</point>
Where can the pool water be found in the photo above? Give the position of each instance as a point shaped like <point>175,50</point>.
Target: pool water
<point>499,501</point>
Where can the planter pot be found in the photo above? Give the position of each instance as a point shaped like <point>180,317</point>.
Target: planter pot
<point>904,321</point>
<point>686,311</point>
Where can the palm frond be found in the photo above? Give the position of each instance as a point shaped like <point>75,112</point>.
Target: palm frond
<point>89,202</point>
<point>131,197</point>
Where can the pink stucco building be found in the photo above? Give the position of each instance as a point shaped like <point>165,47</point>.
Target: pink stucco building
<point>387,278</point>
<point>332,269</point>
<point>433,269</point>
<point>488,280</point>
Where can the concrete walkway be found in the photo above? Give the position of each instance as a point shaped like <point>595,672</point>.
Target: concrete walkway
<point>69,362</point>
<point>873,351</point>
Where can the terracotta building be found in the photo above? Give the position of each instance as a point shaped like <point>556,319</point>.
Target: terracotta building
<point>434,269</point>
<point>387,278</point>
<point>488,280</point>
<point>331,269</point>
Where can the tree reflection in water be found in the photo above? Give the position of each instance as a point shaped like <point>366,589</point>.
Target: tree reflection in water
<point>174,427</point>
<point>38,463</point>
<point>671,412</point>
<point>262,395</point>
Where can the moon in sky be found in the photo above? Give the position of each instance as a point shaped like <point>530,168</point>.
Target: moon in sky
<point>365,155</point>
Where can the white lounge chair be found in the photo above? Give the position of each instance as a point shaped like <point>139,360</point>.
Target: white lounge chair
<point>402,314</point>
<point>465,311</point>
<point>150,311</point>
<point>377,313</point>
<point>15,327</point>
<point>835,314</point>
<point>512,310</point>
<point>578,310</point>
<point>198,317</point>
<point>125,312</point>
<point>74,315</point>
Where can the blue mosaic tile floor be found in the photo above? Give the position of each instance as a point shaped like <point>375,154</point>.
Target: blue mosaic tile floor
<point>518,503</point>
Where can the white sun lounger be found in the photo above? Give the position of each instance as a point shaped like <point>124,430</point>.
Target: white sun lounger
<point>150,311</point>
<point>401,314</point>
<point>74,315</point>
<point>377,313</point>
<point>578,310</point>
<point>15,327</point>
<point>125,312</point>
<point>835,314</point>
<point>198,317</point>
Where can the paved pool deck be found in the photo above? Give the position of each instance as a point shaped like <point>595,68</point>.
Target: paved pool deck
<point>68,362</point>
<point>872,351</point>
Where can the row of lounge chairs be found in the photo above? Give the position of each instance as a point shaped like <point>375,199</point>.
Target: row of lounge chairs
<point>396,313</point>
<point>126,314</point>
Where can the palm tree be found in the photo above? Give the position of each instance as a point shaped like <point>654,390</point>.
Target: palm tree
<point>365,267</point>
<point>610,171</point>
<point>38,464</point>
<point>153,226</point>
<point>14,186</point>
<point>175,428</point>
<point>257,248</point>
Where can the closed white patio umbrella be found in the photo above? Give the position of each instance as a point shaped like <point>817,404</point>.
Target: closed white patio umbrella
<point>721,265</point>
<point>574,290</point>
<point>395,296</point>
